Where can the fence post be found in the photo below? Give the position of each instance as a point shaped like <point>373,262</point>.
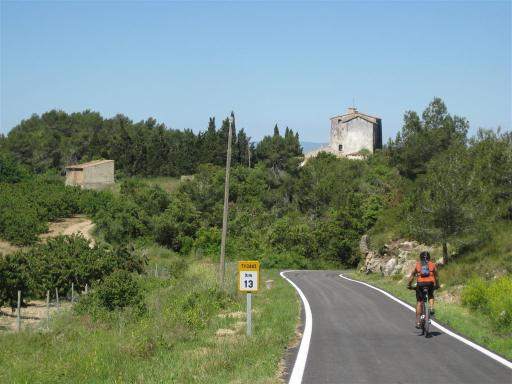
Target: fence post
<point>18,318</point>
<point>156,270</point>
<point>48,309</point>
<point>86,288</point>
<point>72,293</point>
<point>57,297</point>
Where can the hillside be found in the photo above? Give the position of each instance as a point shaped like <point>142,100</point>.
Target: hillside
<point>432,186</point>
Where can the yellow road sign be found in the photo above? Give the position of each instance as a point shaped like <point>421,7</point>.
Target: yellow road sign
<point>248,276</point>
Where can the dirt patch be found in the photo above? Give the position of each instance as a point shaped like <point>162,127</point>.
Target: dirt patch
<point>223,332</point>
<point>77,224</point>
<point>232,315</point>
<point>71,225</point>
<point>31,317</point>
<point>6,248</point>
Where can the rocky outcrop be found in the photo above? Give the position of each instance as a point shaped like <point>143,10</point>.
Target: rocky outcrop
<point>397,258</point>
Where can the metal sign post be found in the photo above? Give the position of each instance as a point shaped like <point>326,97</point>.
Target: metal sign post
<point>248,281</point>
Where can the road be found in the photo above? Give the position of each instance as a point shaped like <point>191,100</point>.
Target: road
<point>359,335</point>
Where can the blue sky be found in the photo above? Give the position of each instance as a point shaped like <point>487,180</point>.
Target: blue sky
<point>292,63</point>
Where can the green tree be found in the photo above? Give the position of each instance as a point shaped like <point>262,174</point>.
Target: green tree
<point>443,206</point>
<point>176,228</point>
<point>420,140</point>
<point>276,152</point>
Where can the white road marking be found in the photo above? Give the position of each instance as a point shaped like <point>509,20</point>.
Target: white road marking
<point>300,361</point>
<point>486,352</point>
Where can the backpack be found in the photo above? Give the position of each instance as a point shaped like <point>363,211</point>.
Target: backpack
<point>424,270</point>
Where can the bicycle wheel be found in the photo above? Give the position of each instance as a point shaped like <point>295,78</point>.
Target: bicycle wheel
<point>426,319</point>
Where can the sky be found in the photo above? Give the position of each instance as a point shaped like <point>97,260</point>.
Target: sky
<point>294,63</point>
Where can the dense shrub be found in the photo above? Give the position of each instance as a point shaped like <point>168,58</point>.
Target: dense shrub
<point>122,220</point>
<point>118,290</point>
<point>15,274</point>
<point>60,262</point>
<point>151,198</point>
<point>474,295</point>
<point>27,207</point>
<point>176,228</point>
<point>194,305</point>
<point>10,170</point>
<point>491,298</point>
<point>284,260</point>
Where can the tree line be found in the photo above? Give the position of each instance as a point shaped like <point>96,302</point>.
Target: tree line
<point>146,148</point>
<point>432,183</point>
<point>454,188</point>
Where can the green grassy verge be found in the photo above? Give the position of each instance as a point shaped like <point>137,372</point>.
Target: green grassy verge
<point>473,325</point>
<point>177,341</point>
<point>168,184</point>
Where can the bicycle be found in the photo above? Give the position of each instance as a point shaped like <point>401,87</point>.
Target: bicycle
<point>425,310</point>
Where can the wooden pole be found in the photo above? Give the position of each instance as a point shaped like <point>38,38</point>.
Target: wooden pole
<point>48,309</point>
<point>18,317</point>
<point>57,297</point>
<point>225,213</point>
<point>72,293</point>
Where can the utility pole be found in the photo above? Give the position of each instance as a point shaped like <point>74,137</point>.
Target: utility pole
<point>226,201</point>
<point>249,151</point>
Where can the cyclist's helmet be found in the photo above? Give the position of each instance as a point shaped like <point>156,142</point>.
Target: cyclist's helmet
<point>425,256</point>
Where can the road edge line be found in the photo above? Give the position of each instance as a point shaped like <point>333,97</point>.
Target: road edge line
<point>473,345</point>
<point>302,355</point>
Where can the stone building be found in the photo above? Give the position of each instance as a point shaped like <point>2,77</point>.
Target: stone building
<point>351,133</point>
<point>355,131</point>
<point>96,174</point>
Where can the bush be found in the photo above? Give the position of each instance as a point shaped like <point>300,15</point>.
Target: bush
<point>15,274</point>
<point>27,206</point>
<point>119,290</point>
<point>474,295</point>
<point>177,267</point>
<point>493,299</point>
<point>194,305</point>
<point>208,240</point>
<point>284,260</point>
<point>500,303</point>
<point>10,170</point>
<point>122,220</point>
<point>176,228</point>
<point>58,263</point>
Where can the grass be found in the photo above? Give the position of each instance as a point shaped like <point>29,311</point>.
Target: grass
<point>493,258</point>
<point>473,325</point>
<point>175,342</point>
<point>168,184</point>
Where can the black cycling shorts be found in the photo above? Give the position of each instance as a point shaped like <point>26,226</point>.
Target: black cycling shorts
<point>430,291</point>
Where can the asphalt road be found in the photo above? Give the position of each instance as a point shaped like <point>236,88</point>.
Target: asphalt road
<point>361,336</point>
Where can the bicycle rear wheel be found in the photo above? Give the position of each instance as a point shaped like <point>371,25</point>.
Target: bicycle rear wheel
<point>426,319</point>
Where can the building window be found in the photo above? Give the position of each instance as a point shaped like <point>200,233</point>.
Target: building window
<point>340,148</point>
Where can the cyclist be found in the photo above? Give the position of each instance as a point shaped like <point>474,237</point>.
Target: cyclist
<point>424,277</point>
